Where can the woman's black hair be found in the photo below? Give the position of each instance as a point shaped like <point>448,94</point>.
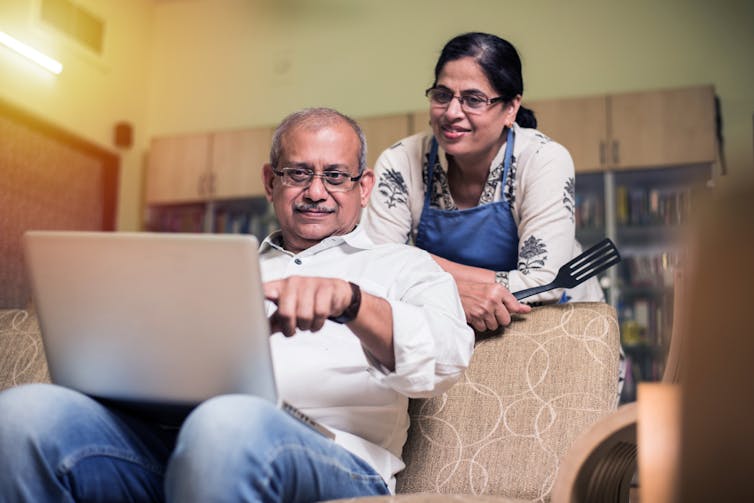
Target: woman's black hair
<point>499,61</point>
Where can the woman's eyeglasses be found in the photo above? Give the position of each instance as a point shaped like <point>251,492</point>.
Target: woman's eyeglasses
<point>472,102</point>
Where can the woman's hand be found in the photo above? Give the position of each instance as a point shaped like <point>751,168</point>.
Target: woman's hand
<point>488,306</point>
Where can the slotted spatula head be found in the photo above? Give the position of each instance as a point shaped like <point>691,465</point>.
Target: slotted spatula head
<point>592,261</point>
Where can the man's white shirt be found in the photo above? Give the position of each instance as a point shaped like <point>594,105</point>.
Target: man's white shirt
<point>330,376</point>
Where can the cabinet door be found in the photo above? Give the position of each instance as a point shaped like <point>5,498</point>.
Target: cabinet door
<point>237,160</point>
<point>579,124</point>
<point>663,128</point>
<point>382,132</point>
<point>419,121</point>
<point>178,169</point>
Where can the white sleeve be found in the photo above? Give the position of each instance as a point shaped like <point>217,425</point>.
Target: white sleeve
<point>388,217</point>
<point>433,344</point>
<point>544,207</point>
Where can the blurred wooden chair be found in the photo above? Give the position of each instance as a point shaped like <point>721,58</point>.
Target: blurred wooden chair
<point>717,392</point>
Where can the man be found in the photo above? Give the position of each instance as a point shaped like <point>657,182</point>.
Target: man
<point>360,328</point>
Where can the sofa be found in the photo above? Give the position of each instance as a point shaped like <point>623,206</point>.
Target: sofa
<point>499,433</point>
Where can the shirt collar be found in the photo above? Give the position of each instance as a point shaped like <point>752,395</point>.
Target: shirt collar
<point>357,238</point>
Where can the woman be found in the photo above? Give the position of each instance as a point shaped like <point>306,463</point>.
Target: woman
<point>499,214</point>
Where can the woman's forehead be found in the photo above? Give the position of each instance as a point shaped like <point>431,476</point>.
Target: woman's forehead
<point>464,74</point>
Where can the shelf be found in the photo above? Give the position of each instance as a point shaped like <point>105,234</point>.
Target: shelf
<point>644,212</point>
<point>654,291</point>
<point>252,215</point>
<point>665,235</point>
<point>591,236</point>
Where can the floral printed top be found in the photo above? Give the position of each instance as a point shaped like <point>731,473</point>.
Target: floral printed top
<point>540,187</point>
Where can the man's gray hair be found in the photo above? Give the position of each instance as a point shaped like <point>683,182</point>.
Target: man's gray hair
<point>315,118</point>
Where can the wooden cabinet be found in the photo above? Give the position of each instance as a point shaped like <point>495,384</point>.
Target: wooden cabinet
<point>580,124</point>
<point>204,167</point>
<point>633,130</point>
<point>662,128</point>
<point>419,121</point>
<point>382,132</point>
<point>237,160</point>
<point>178,169</point>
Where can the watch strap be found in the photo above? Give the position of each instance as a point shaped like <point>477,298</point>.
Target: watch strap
<point>350,312</point>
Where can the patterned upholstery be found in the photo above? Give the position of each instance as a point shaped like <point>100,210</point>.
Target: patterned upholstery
<point>22,357</point>
<point>525,397</point>
<point>499,433</point>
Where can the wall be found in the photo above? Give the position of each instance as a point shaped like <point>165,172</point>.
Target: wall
<point>196,65</point>
<point>93,92</point>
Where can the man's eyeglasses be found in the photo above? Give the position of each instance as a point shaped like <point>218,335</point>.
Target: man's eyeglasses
<point>472,102</point>
<point>335,181</point>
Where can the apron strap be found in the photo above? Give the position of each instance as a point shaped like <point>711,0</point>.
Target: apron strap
<point>507,160</point>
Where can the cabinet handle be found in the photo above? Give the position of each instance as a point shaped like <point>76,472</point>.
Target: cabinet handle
<point>200,185</point>
<point>602,153</point>
<point>616,152</point>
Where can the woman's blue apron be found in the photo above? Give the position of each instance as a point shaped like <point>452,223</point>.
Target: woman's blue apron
<point>484,236</point>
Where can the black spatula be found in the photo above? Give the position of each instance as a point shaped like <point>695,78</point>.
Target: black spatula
<point>579,269</point>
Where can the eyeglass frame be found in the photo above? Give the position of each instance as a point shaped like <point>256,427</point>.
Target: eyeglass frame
<point>489,101</point>
<point>322,176</point>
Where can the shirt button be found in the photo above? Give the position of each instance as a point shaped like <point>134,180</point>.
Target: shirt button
<point>298,261</point>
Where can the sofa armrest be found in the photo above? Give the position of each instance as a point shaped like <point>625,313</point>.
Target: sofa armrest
<point>527,394</point>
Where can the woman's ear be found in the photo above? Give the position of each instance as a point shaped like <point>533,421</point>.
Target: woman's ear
<point>512,110</point>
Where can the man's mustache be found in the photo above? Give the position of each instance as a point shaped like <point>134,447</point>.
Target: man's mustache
<point>313,207</point>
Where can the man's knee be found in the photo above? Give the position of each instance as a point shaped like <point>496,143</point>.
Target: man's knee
<point>221,421</point>
<point>30,407</point>
<point>36,416</point>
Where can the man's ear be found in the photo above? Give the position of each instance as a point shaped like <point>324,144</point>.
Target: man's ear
<point>267,179</point>
<point>366,183</point>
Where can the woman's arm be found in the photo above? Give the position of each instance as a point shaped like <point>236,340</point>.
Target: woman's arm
<point>544,209</point>
<point>487,304</point>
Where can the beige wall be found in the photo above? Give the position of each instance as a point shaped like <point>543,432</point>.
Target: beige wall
<point>93,92</point>
<point>196,65</point>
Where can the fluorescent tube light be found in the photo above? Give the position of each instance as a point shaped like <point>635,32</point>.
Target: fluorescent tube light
<point>42,60</point>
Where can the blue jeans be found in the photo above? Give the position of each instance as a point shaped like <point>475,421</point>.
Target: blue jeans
<point>57,445</point>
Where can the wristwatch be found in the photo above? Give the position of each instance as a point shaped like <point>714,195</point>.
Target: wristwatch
<point>350,312</point>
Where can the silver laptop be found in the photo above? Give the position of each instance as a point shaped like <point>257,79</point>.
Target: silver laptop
<point>153,321</point>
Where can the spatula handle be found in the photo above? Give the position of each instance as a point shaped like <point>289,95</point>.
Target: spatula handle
<point>528,292</point>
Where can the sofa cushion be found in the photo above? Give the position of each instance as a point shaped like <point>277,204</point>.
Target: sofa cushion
<point>22,358</point>
<point>526,395</point>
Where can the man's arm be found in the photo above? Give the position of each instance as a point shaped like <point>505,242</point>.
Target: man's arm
<point>305,303</point>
